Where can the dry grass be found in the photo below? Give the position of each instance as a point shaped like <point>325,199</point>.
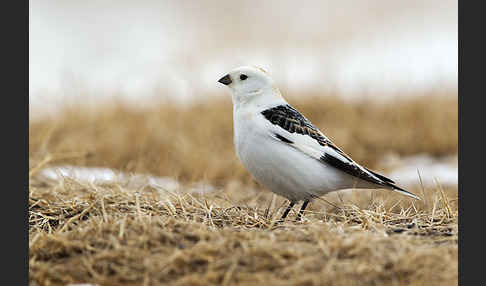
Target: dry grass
<point>114,235</point>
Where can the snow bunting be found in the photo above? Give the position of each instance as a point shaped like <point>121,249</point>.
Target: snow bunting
<point>283,150</point>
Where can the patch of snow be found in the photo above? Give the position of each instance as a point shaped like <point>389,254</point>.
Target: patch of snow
<point>405,171</point>
<point>84,174</point>
<point>97,175</point>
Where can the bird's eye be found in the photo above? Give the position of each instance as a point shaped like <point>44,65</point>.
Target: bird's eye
<point>243,76</point>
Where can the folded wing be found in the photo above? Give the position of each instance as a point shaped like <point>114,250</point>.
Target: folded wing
<point>292,128</point>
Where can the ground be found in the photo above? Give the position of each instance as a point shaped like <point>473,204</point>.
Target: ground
<point>115,234</point>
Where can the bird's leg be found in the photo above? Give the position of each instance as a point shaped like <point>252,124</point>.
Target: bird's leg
<point>301,211</point>
<point>286,212</point>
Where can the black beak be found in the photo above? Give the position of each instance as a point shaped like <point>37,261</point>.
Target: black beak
<point>226,80</point>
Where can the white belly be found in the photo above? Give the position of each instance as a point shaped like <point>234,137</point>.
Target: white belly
<point>281,168</point>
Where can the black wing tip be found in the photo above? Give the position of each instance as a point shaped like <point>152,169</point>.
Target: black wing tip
<point>372,177</point>
<point>404,192</point>
<point>389,182</point>
<point>381,177</point>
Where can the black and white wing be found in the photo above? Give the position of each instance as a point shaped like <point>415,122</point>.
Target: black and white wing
<point>296,130</point>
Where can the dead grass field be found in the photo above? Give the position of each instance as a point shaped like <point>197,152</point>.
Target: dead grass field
<point>110,234</point>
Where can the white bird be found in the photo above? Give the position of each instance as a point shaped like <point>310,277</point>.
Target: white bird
<point>283,150</point>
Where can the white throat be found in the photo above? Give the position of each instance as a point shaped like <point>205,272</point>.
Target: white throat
<point>261,98</point>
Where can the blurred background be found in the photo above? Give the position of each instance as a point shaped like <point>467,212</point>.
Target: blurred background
<point>179,49</point>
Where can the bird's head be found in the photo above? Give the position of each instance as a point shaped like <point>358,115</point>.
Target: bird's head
<point>248,83</point>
